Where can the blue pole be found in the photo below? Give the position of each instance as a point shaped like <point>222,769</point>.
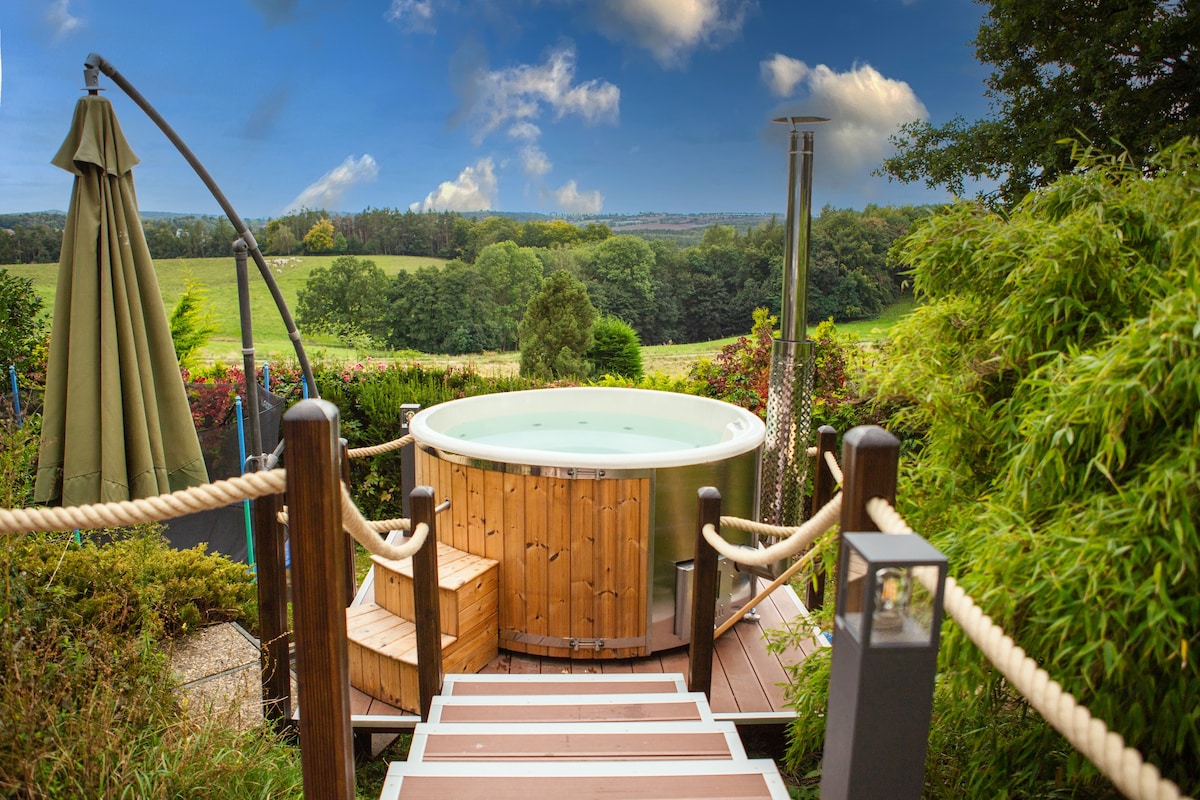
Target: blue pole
<point>241,426</point>
<point>266,377</point>
<point>304,387</point>
<point>12,376</point>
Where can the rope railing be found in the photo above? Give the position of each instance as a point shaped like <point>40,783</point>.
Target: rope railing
<point>1123,765</point>
<point>798,538</point>
<point>834,468</point>
<point>380,449</point>
<point>201,498</point>
<point>147,509</point>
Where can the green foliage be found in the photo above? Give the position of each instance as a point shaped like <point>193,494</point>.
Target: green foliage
<point>349,296</point>
<point>88,702</point>
<point>319,238</point>
<point>1051,375</point>
<point>191,323</point>
<point>557,330</point>
<point>615,349</point>
<point>512,275</point>
<point>740,374</point>
<point>619,279</point>
<point>1120,76</point>
<point>21,322</point>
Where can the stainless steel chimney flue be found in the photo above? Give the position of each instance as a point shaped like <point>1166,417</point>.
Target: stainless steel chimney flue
<point>790,387</point>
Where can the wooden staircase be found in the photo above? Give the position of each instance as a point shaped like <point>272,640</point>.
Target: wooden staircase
<point>582,737</point>
<point>382,634</point>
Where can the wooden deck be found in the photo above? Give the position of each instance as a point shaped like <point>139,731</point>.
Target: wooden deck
<point>747,679</point>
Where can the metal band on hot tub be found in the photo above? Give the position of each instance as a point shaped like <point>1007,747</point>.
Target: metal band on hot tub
<point>537,471</point>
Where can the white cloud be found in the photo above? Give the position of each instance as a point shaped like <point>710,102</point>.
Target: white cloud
<point>61,20</point>
<point>782,73</point>
<point>521,93</point>
<point>671,29</point>
<point>330,187</point>
<point>534,162</point>
<point>525,131</point>
<point>414,15</point>
<point>473,190</point>
<point>865,107</point>
<point>570,199</point>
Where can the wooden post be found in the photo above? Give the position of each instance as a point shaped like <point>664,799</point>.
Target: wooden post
<point>351,583</point>
<point>870,456</point>
<point>408,460</point>
<point>425,601</point>
<point>319,590</point>
<point>275,655</point>
<point>704,594</point>
<point>823,485</point>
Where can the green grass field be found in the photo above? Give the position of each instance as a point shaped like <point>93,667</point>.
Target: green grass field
<point>219,277</point>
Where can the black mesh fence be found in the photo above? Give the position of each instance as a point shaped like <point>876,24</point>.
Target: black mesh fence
<point>225,530</point>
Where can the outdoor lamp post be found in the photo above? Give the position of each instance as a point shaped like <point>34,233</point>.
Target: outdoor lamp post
<point>885,643</point>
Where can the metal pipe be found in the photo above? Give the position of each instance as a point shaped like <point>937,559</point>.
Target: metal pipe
<point>248,365</point>
<point>799,228</point>
<point>94,61</point>
<point>790,386</point>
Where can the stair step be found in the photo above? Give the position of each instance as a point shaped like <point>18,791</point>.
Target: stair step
<point>576,741</point>
<point>468,588</point>
<point>571,708</point>
<point>496,684</point>
<point>382,651</point>
<point>753,779</point>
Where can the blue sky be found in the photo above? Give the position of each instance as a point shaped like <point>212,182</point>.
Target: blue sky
<point>557,106</point>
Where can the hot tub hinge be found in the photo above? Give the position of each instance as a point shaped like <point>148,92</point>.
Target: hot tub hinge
<point>585,472</point>
<point>574,642</point>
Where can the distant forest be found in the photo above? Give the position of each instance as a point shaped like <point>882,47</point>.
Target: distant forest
<point>672,279</point>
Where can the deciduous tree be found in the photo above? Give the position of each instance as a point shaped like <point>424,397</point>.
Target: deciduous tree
<point>1116,75</point>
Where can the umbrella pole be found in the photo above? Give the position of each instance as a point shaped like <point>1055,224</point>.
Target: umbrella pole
<point>97,61</point>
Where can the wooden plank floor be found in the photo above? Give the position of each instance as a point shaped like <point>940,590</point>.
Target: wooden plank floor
<point>747,678</point>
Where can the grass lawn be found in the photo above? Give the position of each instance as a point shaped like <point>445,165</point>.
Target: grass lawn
<point>219,278</point>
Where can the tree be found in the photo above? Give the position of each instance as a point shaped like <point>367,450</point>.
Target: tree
<point>1115,75</point>
<point>348,295</point>
<point>620,279</point>
<point>191,322</point>
<point>557,330</point>
<point>513,274</point>
<point>319,238</point>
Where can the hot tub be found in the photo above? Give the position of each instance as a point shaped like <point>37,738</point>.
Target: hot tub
<point>587,498</point>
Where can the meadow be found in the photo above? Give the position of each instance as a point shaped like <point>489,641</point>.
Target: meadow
<point>218,276</point>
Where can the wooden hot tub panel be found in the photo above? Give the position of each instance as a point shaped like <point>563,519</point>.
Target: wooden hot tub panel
<point>573,553</point>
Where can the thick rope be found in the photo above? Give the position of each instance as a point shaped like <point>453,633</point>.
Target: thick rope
<point>360,529</point>
<point>834,468</point>
<point>1123,765</point>
<point>379,449</point>
<point>380,526</point>
<point>799,539</point>
<point>147,509</point>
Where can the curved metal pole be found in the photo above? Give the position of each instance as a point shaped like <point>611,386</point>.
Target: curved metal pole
<point>97,61</point>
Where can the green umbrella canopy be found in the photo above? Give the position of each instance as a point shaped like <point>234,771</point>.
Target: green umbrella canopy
<point>115,423</point>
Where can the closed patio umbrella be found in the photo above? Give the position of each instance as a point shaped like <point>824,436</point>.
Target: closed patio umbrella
<point>116,423</point>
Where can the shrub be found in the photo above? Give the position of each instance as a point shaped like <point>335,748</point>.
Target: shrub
<point>1051,374</point>
<point>615,350</point>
